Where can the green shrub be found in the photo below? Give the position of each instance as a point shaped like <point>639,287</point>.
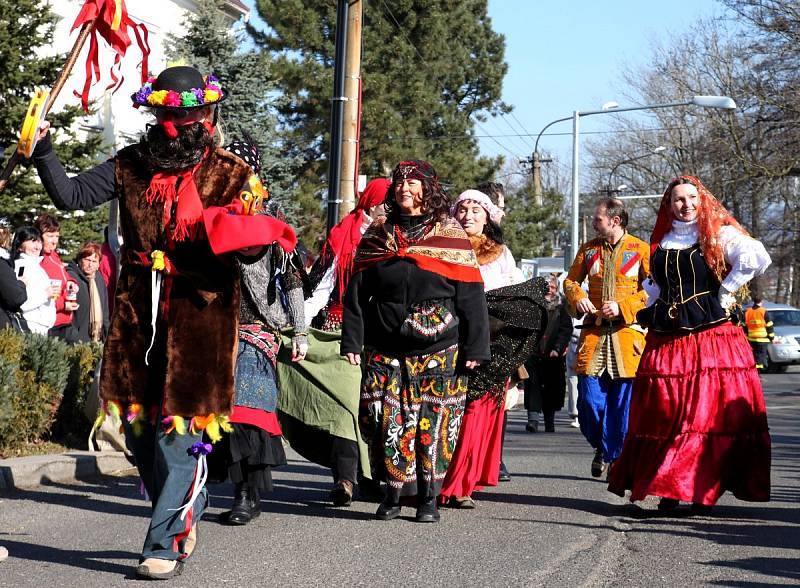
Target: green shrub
<point>72,425</point>
<point>43,379</point>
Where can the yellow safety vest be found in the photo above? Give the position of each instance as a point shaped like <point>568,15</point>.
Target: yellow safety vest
<point>755,319</point>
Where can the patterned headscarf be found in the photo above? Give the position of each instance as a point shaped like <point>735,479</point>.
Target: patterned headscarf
<point>493,211</point>
<point>711,217</point>
<point>414,169</point>
<point>247,151</point>
<point>436,201</point>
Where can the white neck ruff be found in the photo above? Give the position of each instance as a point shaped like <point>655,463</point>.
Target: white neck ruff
<point>681,236</point>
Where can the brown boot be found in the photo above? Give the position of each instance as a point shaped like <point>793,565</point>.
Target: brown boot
<point>342,493</point>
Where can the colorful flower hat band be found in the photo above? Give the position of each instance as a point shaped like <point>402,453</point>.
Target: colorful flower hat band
<point>179,90</point>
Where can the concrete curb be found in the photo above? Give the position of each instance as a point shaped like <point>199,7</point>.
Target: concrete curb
<point>32,471</point>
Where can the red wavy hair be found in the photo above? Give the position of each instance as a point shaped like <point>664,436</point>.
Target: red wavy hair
<point>711,217</point>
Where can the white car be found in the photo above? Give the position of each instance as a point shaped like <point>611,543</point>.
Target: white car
<point>785,347</point>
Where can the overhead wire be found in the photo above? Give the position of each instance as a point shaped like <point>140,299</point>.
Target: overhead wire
<point>524,130</point>
<point>563,134</point>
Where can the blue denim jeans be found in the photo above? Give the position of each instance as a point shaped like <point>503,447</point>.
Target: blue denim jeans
<point>167,470</point>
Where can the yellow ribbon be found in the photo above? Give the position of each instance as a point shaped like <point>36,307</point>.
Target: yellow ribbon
<point>117,15</point>
<point>157,258</point>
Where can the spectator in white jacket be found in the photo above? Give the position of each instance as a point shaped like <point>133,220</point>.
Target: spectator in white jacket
<point>39,309</point>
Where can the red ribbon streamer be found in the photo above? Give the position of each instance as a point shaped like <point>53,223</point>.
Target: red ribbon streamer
<point>111,23</point>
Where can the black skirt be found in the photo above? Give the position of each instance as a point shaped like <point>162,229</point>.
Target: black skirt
<point>246,454</point>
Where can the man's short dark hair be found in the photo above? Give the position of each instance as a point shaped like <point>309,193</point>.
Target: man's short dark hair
<point>615,207</point>
<point>493,190</point>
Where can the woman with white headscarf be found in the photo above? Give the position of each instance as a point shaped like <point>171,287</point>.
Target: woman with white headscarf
<point>476,461</point>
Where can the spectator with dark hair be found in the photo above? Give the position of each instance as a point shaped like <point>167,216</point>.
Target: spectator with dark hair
<point>39,309</point>
<point>12,288</point>
<point>497,194</point>
<point>91,318</point>
<point>49,228</point>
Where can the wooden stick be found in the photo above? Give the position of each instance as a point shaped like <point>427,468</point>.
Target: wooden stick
<point>86,30</point>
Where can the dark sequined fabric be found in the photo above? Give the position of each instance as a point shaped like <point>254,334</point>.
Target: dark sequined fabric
<point>517,319</point>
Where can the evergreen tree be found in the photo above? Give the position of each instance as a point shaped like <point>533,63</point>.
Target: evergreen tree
<point>27,26</point>
<point>530,230</point>
<point>427,67</point>
<point>212,47</point>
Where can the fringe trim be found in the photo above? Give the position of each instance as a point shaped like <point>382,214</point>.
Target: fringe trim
<point>136,415</point>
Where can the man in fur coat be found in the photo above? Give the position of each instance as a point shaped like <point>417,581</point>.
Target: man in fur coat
<point>169,359</point>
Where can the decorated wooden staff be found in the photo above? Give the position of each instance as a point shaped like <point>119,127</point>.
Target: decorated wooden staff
<point>105,18</point>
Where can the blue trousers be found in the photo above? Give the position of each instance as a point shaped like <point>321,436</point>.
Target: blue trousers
<point>167,470</point>
<point>603,406</point>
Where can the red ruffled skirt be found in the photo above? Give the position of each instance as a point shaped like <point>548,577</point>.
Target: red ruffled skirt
<point>697,424</point>
<point>476,460</point>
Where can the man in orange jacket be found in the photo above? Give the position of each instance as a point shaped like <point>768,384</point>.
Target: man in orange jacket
<point>758,326</point>
<point>611,344</point>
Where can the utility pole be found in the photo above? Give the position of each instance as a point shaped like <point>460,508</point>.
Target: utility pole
<point>536,167</point>
<point>537,179</point>
<point>351,123</point>
<point>337,109</point>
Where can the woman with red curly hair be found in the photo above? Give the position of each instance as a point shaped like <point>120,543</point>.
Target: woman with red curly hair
<point>697,424</point>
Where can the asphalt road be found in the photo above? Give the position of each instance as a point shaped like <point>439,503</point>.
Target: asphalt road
<point>551,525</point>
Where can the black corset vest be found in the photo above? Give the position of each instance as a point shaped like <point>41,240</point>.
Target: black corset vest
<point>689,292</point>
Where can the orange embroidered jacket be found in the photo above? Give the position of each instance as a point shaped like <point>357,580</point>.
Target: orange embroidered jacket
<point>615,273</point>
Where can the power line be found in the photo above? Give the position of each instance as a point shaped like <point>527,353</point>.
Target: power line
<point>441,85</point>
<point>564,134</point>
<point>521,126</point>
<point>522,137</point>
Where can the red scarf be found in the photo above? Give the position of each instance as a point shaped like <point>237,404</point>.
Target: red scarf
<point>345,236</point>
<point>167,188</point>
<point>444,249</point>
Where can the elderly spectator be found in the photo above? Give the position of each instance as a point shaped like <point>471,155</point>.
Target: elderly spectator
<point>91,317</point>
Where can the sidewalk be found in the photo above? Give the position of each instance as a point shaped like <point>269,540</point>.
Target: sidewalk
<point>33,471</point>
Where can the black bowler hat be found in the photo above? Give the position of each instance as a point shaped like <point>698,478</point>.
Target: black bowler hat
<point>180,87</point>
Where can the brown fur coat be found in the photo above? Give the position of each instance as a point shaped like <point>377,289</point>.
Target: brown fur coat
<point>192,362</point>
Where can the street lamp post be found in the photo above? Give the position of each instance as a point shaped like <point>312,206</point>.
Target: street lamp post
<point>609,185</point>
<point>720,102</point>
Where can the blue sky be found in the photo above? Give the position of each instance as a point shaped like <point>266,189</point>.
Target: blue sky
<point>569,55</point>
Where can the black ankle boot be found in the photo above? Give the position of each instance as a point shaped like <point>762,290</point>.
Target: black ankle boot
<point>241,512</point>
<point>255,502</point>
<point>427,511</point>
<point>387,510</point>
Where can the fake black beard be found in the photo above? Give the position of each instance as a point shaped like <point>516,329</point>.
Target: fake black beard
<point>160,153</point>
